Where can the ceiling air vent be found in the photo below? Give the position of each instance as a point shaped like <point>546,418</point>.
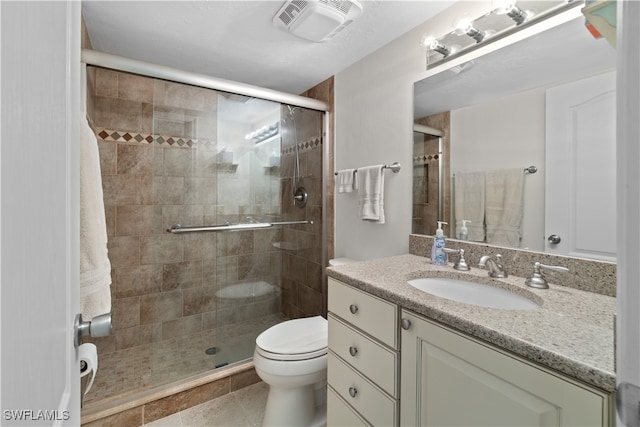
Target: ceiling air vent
<point>316,20</point>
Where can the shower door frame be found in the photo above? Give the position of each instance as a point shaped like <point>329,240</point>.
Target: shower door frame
<point>119,63</point>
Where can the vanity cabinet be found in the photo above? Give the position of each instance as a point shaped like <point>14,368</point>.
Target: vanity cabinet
<point>451,379</point>
<point>363,359</point>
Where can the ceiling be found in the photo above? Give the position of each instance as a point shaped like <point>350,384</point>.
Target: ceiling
<point>236,40</point>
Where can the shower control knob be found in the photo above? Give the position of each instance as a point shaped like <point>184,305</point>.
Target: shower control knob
<point>554,239</point>
<point>353,391</point>
<point>405,324</point>
<point>353,308</point>
<point>353,351</point>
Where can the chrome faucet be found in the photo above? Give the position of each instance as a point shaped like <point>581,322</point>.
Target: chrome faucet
<point>496,269</point>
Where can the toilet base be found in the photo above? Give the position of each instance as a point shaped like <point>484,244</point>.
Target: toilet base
<point>294,407</point>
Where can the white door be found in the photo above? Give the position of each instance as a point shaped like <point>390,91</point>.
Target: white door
<point>580,161</point>
<point>39,212</point>
<point>628,272</point>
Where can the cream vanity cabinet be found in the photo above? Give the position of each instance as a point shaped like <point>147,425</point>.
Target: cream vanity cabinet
<point>451,379</point>
<point>363,372</point>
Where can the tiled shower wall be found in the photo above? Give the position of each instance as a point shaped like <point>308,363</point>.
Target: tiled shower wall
<point>425,176</point>
<point>160,168</point>
<point>302,289</point>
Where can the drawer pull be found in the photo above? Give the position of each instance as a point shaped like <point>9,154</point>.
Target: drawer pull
<point>353,308</point>
<point>353,391</point>
<point>406,324</point>
<point>353,351</point>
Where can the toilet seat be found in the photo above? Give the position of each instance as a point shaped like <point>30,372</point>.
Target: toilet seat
<point>297,339</point>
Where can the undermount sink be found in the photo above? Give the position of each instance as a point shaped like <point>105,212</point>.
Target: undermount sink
<point>473,293</point>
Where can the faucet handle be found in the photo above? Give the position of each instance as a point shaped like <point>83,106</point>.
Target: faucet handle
<point>537,280</point>
<point>461,264</point>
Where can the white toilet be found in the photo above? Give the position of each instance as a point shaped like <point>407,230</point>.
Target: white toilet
<point>291,357</point>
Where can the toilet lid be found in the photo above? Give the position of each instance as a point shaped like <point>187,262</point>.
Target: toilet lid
<point>296,336</point>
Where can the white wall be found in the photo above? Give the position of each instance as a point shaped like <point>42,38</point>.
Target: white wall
<point>501,134</point>
<point>374,117</point>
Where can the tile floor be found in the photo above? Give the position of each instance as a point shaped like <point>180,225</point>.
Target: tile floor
<point>143,367</point>
<point>244,407</point>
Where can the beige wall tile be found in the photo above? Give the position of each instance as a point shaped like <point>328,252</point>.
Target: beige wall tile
<point>160,307</point>
<point>138,280</point>
<point>182,275</point>
<point>106,83</point>
<point>124,251</point>
<point>134,159</point>
<point>135,88</point>
<point>161,249</point>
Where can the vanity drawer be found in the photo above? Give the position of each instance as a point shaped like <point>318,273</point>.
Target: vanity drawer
<point>368,400</point>
<point>371,314</point>
<point>339,413</point>
<point>374,361</point>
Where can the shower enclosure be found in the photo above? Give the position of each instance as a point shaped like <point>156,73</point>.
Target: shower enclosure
<point>175,156</point>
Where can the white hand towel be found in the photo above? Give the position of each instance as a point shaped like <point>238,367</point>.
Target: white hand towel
<point>504,206</point>
<point>371,193</point>
<point>347,180</point>
<point>95,268</point>
<point>469,198</point>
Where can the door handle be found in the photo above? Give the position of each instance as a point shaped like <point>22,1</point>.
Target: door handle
<point>99,326</point>
<point>554,239</point>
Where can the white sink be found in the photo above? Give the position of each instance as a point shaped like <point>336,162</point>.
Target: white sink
<point>473,293</point>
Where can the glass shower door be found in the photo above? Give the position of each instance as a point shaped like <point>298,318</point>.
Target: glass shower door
<point>248,186</point>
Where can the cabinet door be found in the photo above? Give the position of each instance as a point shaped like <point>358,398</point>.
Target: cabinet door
<point>449,379</point>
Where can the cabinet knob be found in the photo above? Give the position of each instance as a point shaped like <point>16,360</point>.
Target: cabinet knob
<point>406,324</point>
<point>353,351</point>
<point>353,391</point>
<point>353,308</point>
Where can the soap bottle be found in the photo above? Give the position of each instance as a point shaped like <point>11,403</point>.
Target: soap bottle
<point>464,233</point>
<point>438,254</point>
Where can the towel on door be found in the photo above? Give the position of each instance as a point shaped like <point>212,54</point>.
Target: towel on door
<point>469,199</point>
<point>371,193</point>
<point>95,267</point>
<point>504,206</point>
<point>347,180</point>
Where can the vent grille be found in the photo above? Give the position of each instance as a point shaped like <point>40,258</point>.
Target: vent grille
<point>292,9</point>
<point>342,6</point>
<point>297,6</point>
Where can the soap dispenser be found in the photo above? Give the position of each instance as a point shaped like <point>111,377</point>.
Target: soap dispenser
<point>464,233</point>
<point>438,254</point>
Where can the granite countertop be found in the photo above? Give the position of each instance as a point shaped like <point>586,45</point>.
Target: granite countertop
<point>572,332</point>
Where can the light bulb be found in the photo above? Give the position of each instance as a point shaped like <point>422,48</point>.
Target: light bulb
<point>509,8</point>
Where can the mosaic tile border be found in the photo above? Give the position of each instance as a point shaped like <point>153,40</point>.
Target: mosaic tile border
<point>303,146</point>
<point>421,160</point>
<point>149,138</point>
<point>113,135</point>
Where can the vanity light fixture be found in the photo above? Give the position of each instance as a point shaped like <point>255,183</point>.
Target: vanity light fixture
<point>465,26</point>
<point>509,8</point>
<point>264,133</point>
<point>437,46</point>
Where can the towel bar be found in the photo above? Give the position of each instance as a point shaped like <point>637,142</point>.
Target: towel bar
<point>395,167</point>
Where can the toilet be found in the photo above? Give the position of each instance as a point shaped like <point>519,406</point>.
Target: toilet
<point>291,357</point>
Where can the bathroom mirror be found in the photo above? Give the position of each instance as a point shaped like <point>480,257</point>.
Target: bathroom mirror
<point>505,92</point>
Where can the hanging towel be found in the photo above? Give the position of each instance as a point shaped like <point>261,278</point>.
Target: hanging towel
<point>371,193</point>
<point>504,206</point>
<point>95,268</point>
<point>347,180</point>
<point>469,195</point>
